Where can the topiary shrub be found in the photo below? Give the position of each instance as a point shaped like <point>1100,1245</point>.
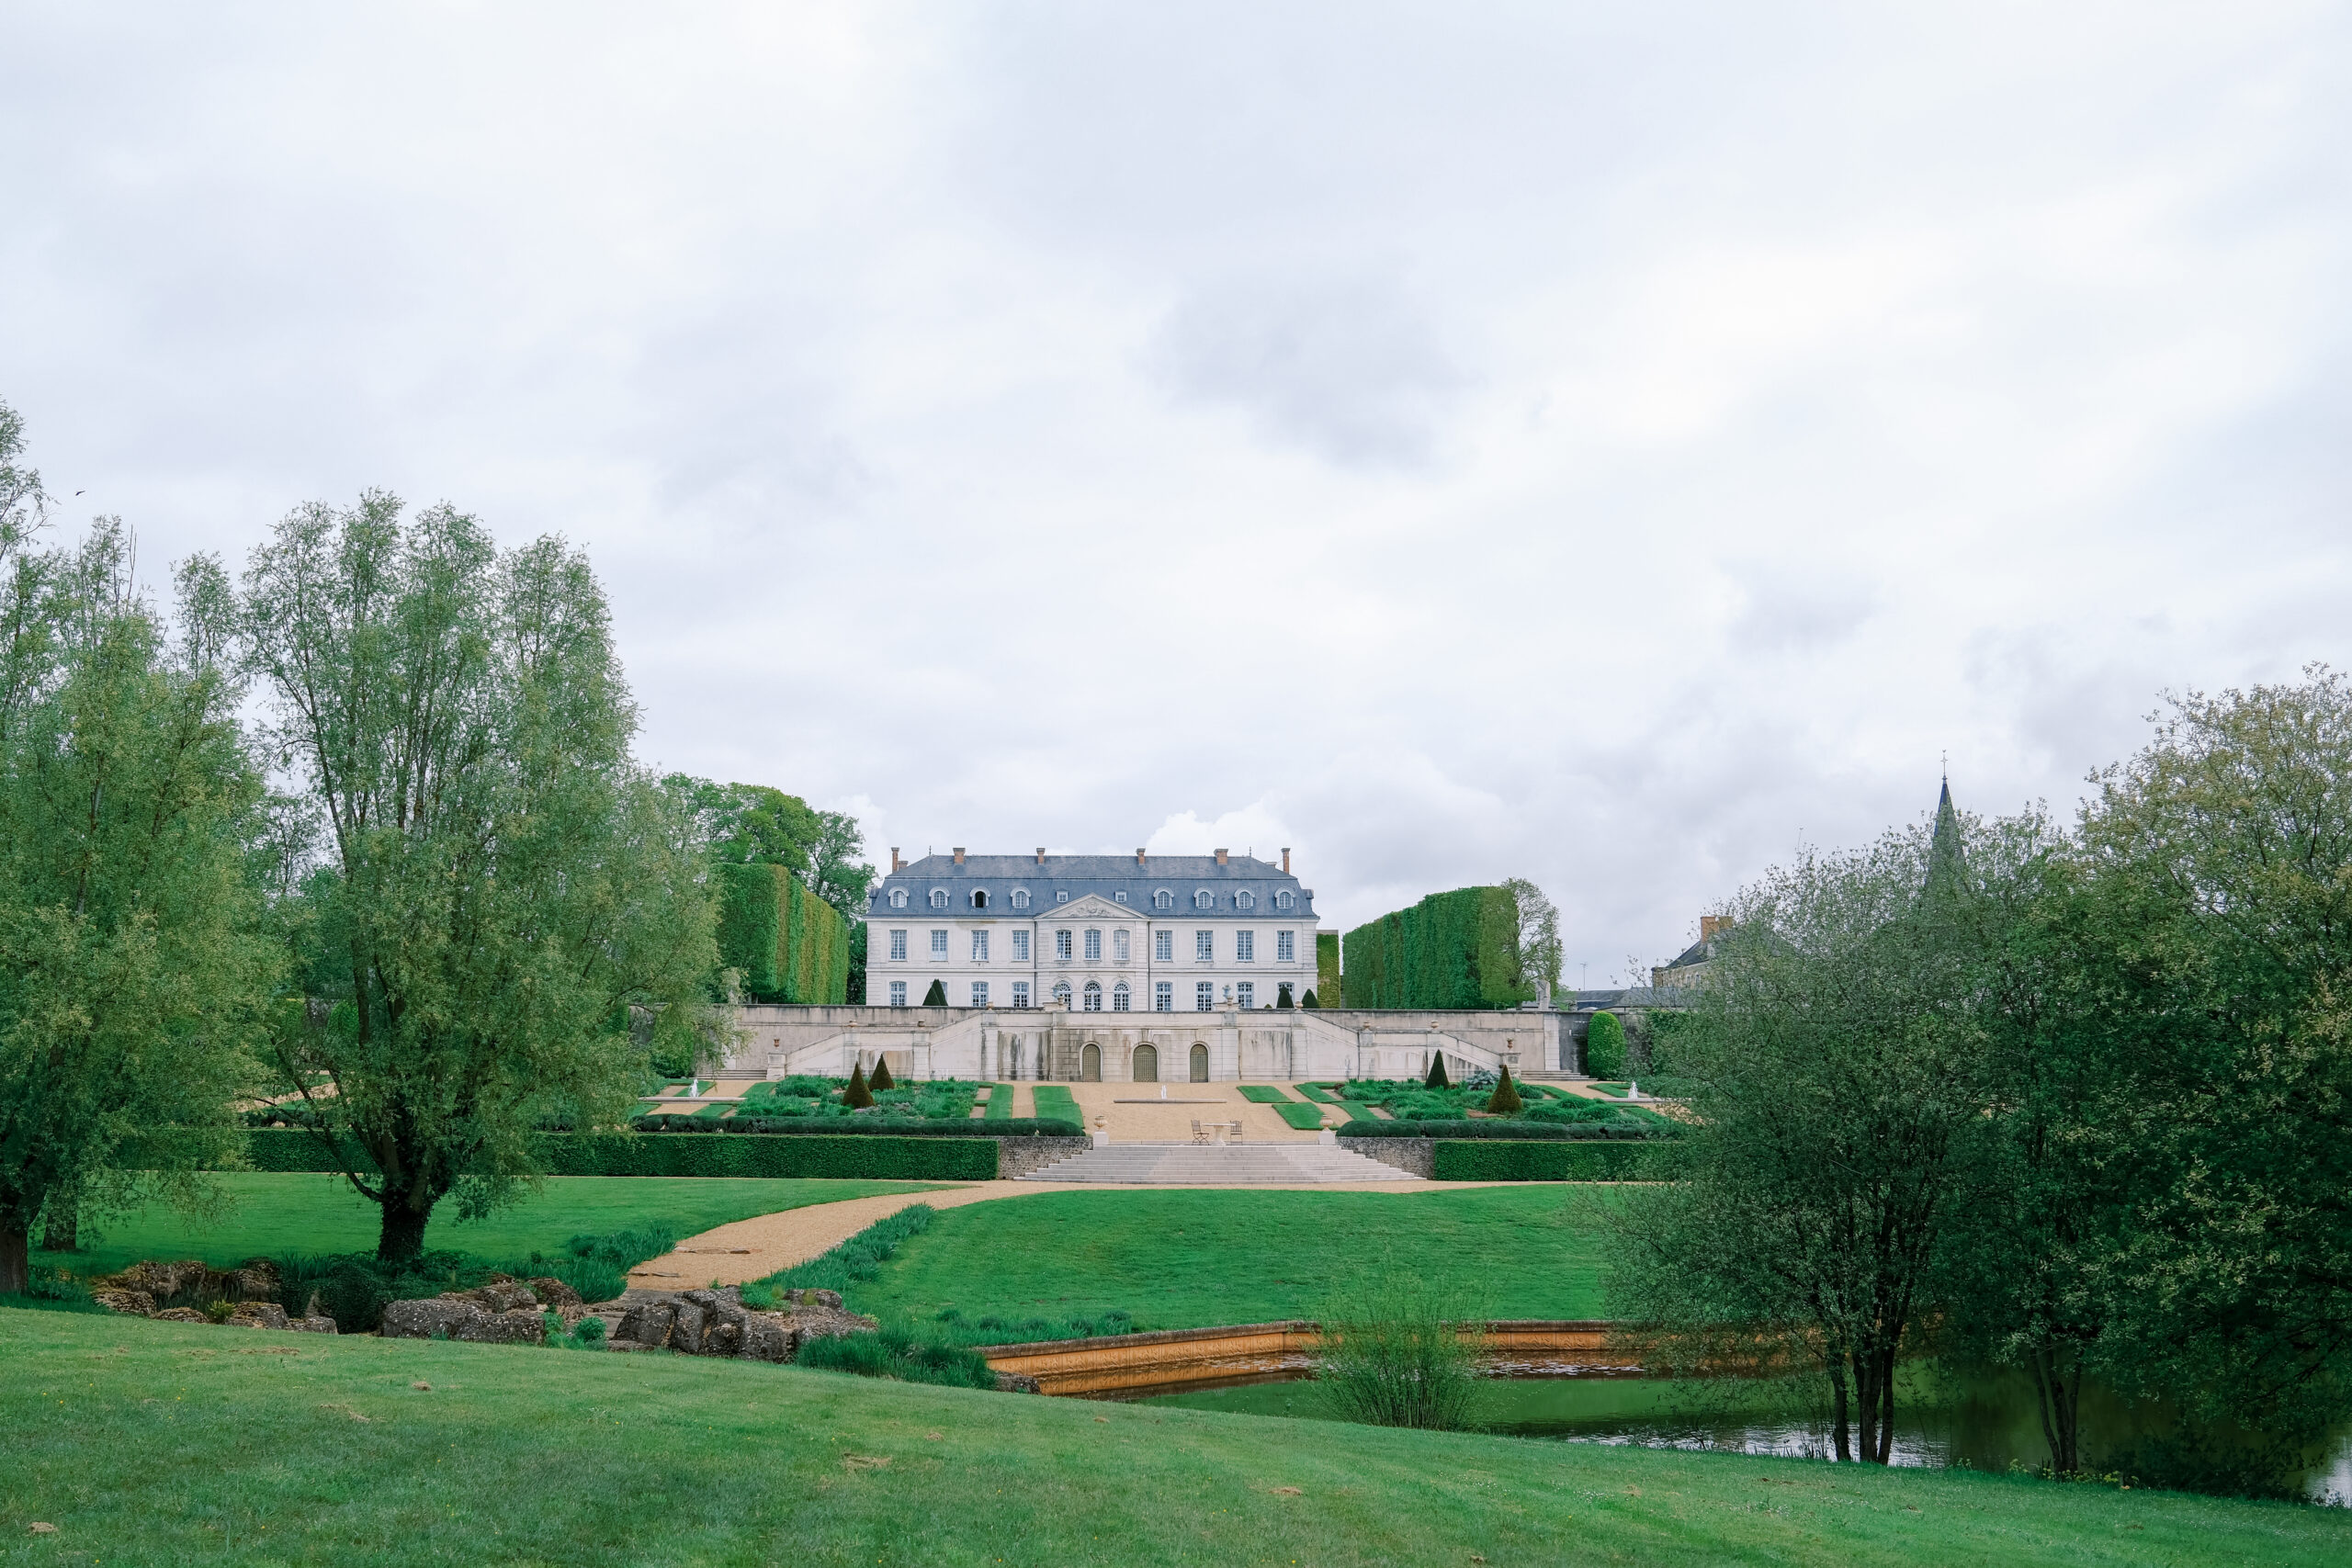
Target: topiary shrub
<point>882,1079</point>
<point>1604,1046</point>
<point>937,996</point>
<point>1437,1078</point>
<point>1309,1000</point>
<point>1282,996</point>
<point>857,1097</point>
<point>1504,1100</point>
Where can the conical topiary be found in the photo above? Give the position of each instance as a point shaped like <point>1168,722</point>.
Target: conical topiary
<point>1282,996</point>
<point>1437,1078</point>
<point>1309,1000</point>
<point>857,1097</point>
<point>881,1079</point>
<point>1504,1100</point>
<point>937,996</point>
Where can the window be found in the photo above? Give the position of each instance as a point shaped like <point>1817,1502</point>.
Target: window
<point>1093,946</point>
<point>1061,947</point>
<point>1163,946</point>
<point>1245,947</point>
<point>898,993</point>
<point>898,946</point>
<point>1246,993</point>
<point>1245,900</point>
<point>1119,996</point>
<point>939,897</point>
<point>1204,899</point>
<point>898,897</point>
<point>1285,947</point>
<point>1119,946</point>
<point>1021,947</point>
<point>1095,996</point>
<point>1164,997</point>
<point>939,945</point>
<point>980,947</point>
<point>1021,898</point>
<point>1061,898</point>
<point>979,897</point>
<point>1205,997</point>
<point>1061,992</point>
<point>1204,947</point>
<point>1120,896</point>
<point>1286,899</point>
<point>979,993</point>
<point>1163,899</point>
<point>1021,993</point>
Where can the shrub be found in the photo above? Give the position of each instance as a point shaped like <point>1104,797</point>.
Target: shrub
<point>858,1097</point>
<point>1480,1159</point>
<point>589,1331</point>
<point>895,1353</point>
<point>1437,1071</point>
<point>1626,1130</point>
<point>1604,1046</point>
<point>1282,996</point>
<point>857,1260</point>
<point>1309,1000</point>
<point>1451,950</point>
<point>1393,1354</point>
<point>936,996</point>
<point>1504,1100</point>
<point>882,1079</point>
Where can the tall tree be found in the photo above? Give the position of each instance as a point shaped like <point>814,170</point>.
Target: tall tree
<point>838,872</point>
<point>502,889</point>
<point>132,978</point>
<point>1539,937</point>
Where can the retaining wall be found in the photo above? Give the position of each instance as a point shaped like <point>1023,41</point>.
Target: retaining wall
<point>1116,1362</point>
<point>1414,1156</point>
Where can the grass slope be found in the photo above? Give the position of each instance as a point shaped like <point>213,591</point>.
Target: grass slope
<point>1184,1259</point>
<point>274,1215</point>
<point>163,1443</point>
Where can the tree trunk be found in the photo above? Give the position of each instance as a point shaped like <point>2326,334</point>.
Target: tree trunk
<point>1887,1409</point>
<point>2060,1400</point>
<point>1838,1414</point>
<point>1866,1401</point>
<point>402,1235</point>
<point>16,1258</point>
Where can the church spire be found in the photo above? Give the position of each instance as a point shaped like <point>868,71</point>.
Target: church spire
<point>1946,864</point>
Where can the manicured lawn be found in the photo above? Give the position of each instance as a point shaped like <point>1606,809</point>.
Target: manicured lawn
<point>150,1443</point>
<point>1184,1259</point>
<point>279,1215</point>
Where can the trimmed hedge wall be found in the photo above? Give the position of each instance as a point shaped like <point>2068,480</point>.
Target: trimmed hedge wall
<point>1329,989</point>
<point>862,1127</point>
<point>879,1157</point>
<point>1588,1159</point>
<point>791,946</point>
<point>1457,950</point>
<point>1502,1131</point>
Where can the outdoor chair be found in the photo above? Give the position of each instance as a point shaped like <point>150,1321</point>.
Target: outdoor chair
<point>1234,1136</point>
<point>1200,1134</point>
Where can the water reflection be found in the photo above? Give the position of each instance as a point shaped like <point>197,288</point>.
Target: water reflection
<point>1986,1424</point>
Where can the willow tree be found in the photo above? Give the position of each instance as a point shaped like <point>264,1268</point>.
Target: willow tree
<point>132,978</point>
<point>502,895</point>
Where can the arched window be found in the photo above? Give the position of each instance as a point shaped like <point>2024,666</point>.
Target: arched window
<point>1284,899</point>
<point>1200,1063</point>
<point>1245,900</point>
<point>1061,992</point>
<point>1089,1064</point>
<point>1163,899</point>
<point>1147,1065</point>
<point>979,897</point>
<point>1204,899</point>
<point>939,897</point>
<point>898,897</point>
<point>1021,898</point>
<point>1095,996</point>
<point>1120,996</point>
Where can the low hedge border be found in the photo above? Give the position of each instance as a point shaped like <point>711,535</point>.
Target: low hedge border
<point>1502,1131</point>
<point>1621,1160</point>
<point>870,1157</point>
<point>861,1127</point>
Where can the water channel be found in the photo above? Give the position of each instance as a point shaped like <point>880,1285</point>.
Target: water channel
<point>1985,1424</point>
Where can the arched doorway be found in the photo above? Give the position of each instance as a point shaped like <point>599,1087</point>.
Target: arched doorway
<point>1090,1069</point>
<point>1200,1063</point>
<point>1147,1065</point>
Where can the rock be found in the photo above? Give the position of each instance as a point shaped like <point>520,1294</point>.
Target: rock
<point>502,1295</point>
<point>827,1323</point>
<point>254,1280</point>
<point>161,1280</point>
<point>523,1326</point>
<point>428,1319</point>
<point>260,1314</point>
<point>1018,1382</point>
<point>686,1326</point>
<point>133,1304</point>
<point>555,1293</point>
<point>181,1315</point>
<point>315,1323</point>
<point>646,1325</point>
<point>812,1298</point>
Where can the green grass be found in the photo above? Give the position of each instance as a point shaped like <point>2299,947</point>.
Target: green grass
<point>1053,1101</point>
<point>999,1102</point>
<point>274,1215</point>
<point>1265,1094</point>
<point>1187,1260</point>
<point>168,1444</point>
<point>1306,1118</point>
<point>1319,1093</point>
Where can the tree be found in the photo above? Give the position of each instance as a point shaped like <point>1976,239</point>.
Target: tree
<point>1504,1100</point>
<point>881,1080</point>
<point>1604,1046</point>
<point>1836,1055</point>
<point>838,872</point>
<point>1539,937</point>
<point>1309,1000</point>
<point>1436,1078</point>
<point>936,996</point>
<point>857,1097</point>
<point>505,903</point>
<point>1281,997</point>
<point>132,979</point>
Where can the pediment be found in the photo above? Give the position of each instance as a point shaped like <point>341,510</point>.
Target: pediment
<point>1093,906</point>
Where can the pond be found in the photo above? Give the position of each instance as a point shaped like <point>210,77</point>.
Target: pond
<point>1985,1424</point>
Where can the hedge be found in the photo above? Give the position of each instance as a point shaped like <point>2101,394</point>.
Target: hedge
<point>877,1157</point>
<point>1502,1131</point>
<point>790,945</point>
<point>1329,991</point>
<point>1457,950</point>
<point>865,1126</point>
<point>1590,1159</point>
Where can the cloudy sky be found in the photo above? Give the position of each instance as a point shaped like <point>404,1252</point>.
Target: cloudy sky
<point>1607,444</point>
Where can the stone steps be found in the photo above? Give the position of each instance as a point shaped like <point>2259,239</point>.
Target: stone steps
<point>1232,1165</point>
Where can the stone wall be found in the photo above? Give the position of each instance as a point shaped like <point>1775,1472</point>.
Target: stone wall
<point>1414,1156</point>
<point>1019,1157</point>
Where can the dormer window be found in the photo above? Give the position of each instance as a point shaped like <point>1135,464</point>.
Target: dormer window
<point>1204,899</point>
<point>1061,898</point>
<point>1163,899</point>
<point>1284,899</point>
<point>898,897</point>
<point>939,897</point>
<point>1120,896</point>
<point>1021,898</point>
<point>1245,900</point>
<point>979,897</point>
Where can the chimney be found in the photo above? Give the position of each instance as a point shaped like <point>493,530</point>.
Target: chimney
<point>960,854</point>
<point>1139,857</point>
<point>1220,856</point>
<point>1041,854</point>
<point>1286,863</point>
<point>896,863</point>
<point>1657,979</point>
<point>1713,925</point>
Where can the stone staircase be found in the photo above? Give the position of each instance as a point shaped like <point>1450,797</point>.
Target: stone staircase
<point>1219,1165</point>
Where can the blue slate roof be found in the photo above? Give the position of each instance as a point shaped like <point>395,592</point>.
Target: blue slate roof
<point>1106,877</point>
